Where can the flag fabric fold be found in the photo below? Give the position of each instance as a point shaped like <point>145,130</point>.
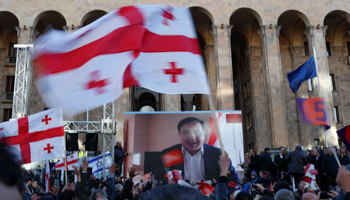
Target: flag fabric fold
<point>36,137</point>
<point>47,177</point>
<point>344,135</point>
<point>303,73</point>
<point>153,46</point>
<point>313,111</point>
<point>72,162</point>
<point>96,163</point>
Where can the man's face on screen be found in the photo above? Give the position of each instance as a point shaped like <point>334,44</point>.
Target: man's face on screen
<point>192,137</point>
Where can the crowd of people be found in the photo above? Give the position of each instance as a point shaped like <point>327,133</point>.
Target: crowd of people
<point>264,178</point>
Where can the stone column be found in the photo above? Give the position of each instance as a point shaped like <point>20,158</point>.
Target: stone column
<point>24,35</point>
<point>170,102</point>
<point>316,38</point>
<point>277,126</point>
<point>211,69</point>
<point>224,77</point>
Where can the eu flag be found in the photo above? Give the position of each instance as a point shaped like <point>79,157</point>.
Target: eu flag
<point>303,73</point>
<point>344,135</point>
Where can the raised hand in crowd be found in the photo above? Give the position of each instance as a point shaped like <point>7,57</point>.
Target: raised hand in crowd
<point>132,172</point>
<point>77,173</point>
<point>224,164</point>
<point>65,188</point>
<point>113,168</point>
<point>84,167</point>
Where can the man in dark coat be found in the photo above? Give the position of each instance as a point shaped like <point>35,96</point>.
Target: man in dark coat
<point>297,160</point>
<point>119,155</point>
<point>276,160</point>
<point>254,161</point>
<point>266,163</point>
<point>200,159</point>
<point>330,167</point>
<point>317,161</point>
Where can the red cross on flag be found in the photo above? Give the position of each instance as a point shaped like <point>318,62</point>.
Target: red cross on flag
<point>153,46</point>
<point>72,162</point>
<point>37,137</point>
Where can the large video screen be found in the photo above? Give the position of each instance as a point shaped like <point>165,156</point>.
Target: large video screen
<point>150,136</point>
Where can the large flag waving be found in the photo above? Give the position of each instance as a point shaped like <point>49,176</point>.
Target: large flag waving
<point>37,137</point>
<point>313,111</point>
<point>154,46</point>
<point>344,135</point>
<point>303,73</point>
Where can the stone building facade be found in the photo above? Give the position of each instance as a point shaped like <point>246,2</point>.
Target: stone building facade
<point>247,47</point>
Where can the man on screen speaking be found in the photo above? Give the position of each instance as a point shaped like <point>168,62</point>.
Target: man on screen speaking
<point>200,160</point>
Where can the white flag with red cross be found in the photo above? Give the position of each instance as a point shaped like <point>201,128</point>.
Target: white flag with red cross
<point>153,46</point>
<point>72,162</point>
<point>36,137</point>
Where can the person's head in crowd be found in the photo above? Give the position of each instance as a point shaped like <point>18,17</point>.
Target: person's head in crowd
<point>253,174</point>
<point>119,187</point>
<point>284,194</point>
<point>343,150</point>
<point>98,194</point>
<point>308,196</point>
<point>329,152</point>
<point>246,156</point>
<point>279,185</point>
<point>172,192</point>
<point>244,180</point>
<point>261,174</point>
<point>308,153</point>
<point>72,186</point>
<point>119,179</point>
<point>267,149</point>
<point>54,189</point>
<point>252,152</point>
<point>68,195</point>
<point>243,195</point>
<point>298,147</point>
<point>191,134</point>
<point>266,175</point>
<point>316,152</point>
<point>35,184</point>
<point>11,181</point>
<point>119,144</point>
<point>281,150</point>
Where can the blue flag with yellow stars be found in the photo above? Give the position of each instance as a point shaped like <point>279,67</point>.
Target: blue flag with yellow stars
<point>303,73</point>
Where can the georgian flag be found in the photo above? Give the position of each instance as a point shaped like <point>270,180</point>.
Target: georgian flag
<point>154,46</point>
<point>37,137</point>
<point>72,162</point>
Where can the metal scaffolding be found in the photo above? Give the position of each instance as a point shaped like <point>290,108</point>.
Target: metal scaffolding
<point>22,85</point>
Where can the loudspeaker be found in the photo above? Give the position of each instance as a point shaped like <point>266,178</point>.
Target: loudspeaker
<point>91,141</point>
<point>72,141</point>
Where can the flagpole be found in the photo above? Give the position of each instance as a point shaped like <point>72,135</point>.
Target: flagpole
<point>318,80</point>
<point>212,108</point>
<point>65,169</point>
